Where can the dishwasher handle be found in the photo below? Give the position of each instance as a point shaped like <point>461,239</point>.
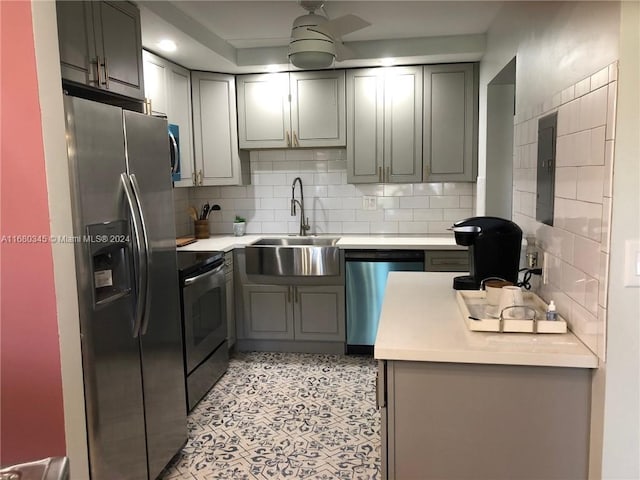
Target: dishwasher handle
<point>384,255</point>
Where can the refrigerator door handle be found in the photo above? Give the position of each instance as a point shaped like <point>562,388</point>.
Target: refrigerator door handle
<point>147,254</point>
<point>141,258</point>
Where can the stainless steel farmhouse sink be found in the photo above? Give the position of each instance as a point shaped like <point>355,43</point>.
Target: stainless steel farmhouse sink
<point>294,256</point>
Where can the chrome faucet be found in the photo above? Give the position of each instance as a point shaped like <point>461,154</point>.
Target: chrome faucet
<point>304,226</point>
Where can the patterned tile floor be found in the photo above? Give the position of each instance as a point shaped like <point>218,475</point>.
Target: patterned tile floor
<point>285,415</point>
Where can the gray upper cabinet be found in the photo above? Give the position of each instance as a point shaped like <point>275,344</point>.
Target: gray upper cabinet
<point>450,139</point>
<point>168,88</point>
<point>290,110</point>
<point>215,134</point>
<point>100,45</point>
<point>384,118</point>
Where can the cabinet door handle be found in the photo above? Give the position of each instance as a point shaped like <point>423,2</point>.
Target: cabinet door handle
<point>295,140</point>
<point>95,71</point>
<point>288,294</point>
<point>199,178</point>
<point>288,139</point>
<point>296,297</point>
<point>105,64</point>
<point>194,178</point>
<point>388,174</point>
<point>380,174</point>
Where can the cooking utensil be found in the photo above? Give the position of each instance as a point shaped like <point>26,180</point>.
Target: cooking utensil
<point>205,211</point>
<point>214,207</point>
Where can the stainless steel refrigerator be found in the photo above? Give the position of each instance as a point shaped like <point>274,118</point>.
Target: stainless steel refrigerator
<point>131,337</point>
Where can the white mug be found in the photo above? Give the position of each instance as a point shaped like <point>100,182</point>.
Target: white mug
<point>493,291</point>
<point>511,296</point>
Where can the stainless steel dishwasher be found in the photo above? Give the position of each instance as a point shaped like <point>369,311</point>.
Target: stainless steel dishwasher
<point>365,282</point>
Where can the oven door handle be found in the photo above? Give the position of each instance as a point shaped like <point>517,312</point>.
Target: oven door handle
<point>192,280</point>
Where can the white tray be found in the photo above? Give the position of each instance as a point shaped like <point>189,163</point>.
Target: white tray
<point>473,305</point>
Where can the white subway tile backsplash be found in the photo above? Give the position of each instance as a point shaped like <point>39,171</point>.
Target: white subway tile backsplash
<point>605,238</point>
<point>306,177</point>
<point>583,87</point>
<point>613,72</point>
<point>586,256</point>
<point>388,202</point>
<point>590,184</point>
<point>297,154</point>
<point>333,178</point>
<point>330,154</point>
<point>347,190</point>
<point>596,156</point>
<point>608,170</point>
<point>414,202</point>
<point>593,109</point>
<point>439,227</point>
<point>466,201</point>
<point>336,166</point>
<point>567,94</point>
<point>581,148</point>
<point>457,189</point>
<point>600,78</point>
<point>455,214</point>
<point>383,227</point>
<point>369,216</point>
<point>428,214</point>
<point>398,190</point>
<point>603,278</point>
<point>611,110</point>
<point>437,201</point>
<point>398,215</point>
<point>274,203</point>
<point>341,215</point>
<point>355,227</point>
<point>411,228</point>
<point>282,166</point>
<point>566,182</point>
<point>427,189</point>
<point>591,295</point>
<point>577,244</point>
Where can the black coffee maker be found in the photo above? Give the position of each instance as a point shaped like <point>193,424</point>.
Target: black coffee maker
<point>494,250</point>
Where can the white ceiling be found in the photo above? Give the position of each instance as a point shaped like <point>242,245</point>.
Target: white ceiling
<point>248,36</point>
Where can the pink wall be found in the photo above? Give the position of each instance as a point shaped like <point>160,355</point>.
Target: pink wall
<point>31,408</point>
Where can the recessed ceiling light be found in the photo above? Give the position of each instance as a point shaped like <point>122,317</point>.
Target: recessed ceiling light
<point>387,62</point>
<point>167,45</point>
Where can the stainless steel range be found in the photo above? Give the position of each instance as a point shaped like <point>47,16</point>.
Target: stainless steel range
<point>204,321</point>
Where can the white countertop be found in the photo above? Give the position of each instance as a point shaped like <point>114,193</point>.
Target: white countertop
<point>226,243</point>
<point>220,243</point>
<point>421,321</point>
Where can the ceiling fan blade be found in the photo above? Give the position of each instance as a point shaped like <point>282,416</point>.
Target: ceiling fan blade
<point>343,53</point>
<point>340,26</point>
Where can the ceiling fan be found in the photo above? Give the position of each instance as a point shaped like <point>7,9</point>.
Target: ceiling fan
<point>316,41</point>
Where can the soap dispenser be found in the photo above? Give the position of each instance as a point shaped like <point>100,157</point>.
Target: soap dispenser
<point>552,314</point>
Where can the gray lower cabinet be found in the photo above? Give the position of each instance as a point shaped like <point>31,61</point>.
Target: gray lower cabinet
<point>483,422</point>
<point>100,45</point>
<point>450,137</point>
<point>286,312</point>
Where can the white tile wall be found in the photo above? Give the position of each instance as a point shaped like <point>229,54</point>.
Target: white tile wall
<point>332,205</point>
<point>577,246</point>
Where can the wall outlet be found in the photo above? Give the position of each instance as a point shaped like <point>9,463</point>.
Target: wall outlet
<point>369,202</point>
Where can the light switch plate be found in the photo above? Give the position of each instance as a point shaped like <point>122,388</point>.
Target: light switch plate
<point>369,202</point>
<point>632,263</point>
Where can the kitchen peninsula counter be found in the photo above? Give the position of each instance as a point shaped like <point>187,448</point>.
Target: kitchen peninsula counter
<point>421,321</point>
<point>461,404</point>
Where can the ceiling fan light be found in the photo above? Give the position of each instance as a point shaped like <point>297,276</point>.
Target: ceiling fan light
<point>311,60</point>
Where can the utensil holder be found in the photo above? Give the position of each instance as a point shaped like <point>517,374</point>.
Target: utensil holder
<point>201,228</point>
